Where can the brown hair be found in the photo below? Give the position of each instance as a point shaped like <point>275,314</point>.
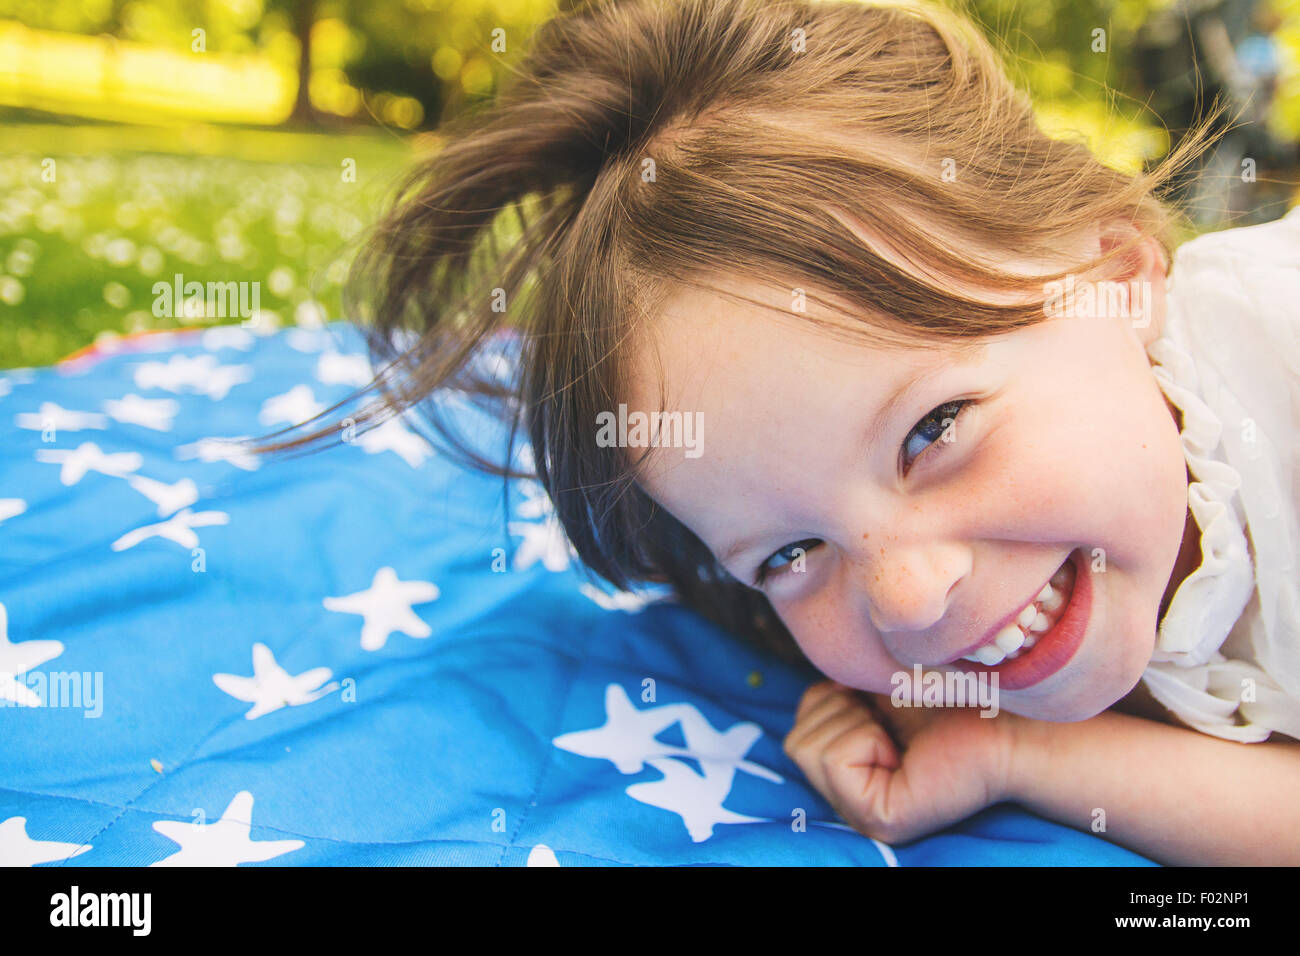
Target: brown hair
<point>645,145</point>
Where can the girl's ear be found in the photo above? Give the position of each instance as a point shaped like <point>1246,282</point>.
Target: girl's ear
<point>1143,273</point>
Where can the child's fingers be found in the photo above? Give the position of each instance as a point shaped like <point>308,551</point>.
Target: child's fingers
<point>828,706</point>
<point>874,747</point>
<point>852,769</point>
<point>827,722</point>
<point>817,694</point>
<point>808,750</point>
<point>859,768</point>
<point>812,736</point>
<point>835,724</point>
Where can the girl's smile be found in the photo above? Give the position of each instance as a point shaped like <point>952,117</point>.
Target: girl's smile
<point>1043,450</point>
<point>1040,639</point>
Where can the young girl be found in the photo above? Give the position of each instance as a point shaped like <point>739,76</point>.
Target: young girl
<point>935,439</point>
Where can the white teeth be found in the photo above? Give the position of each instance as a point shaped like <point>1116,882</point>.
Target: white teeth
<point>1018,637</point>
<point>1050,599</point>
<point>1009,638</point>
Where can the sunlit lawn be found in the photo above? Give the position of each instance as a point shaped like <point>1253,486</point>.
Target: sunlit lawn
<point>132,206</point>
<point>129,207</point>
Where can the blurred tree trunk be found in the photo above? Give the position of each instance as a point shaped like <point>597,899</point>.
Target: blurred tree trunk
<point>302,15</point>
<point>113,25</point>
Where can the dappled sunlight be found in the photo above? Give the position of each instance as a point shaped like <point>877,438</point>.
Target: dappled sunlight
<point>116,80</point>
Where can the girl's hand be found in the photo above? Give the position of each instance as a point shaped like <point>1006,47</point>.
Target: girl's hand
<point>941,764</point>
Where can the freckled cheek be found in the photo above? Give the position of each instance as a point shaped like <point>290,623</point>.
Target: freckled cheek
<point>1066,475</point>
<point>840,646</point>
<point>1136,473</point>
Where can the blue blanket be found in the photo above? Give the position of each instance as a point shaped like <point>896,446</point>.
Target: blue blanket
<point>361,656</point>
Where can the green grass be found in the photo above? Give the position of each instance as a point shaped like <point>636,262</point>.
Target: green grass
<point>130,206</point>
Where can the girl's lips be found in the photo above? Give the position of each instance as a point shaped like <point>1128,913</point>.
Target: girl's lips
<point>1053,650</point>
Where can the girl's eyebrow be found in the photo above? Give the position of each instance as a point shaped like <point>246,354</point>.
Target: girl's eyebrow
<point>873,434</point>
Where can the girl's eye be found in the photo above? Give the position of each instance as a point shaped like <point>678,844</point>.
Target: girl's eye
<point>928,430</point>
<point>792,552</point>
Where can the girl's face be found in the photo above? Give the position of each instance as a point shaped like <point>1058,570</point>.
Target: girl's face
<point>916,547</point>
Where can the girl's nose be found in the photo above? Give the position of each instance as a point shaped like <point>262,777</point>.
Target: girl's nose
<point>909,589</point>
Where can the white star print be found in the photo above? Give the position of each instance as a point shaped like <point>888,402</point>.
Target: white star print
<point>200,373</point>
<point>224,843</point>
<point>393,436</point>
<point>493,364</point>
<point>387,606</point>
<point>228,449</point>
<point>536,504</point>
<point>307,340</point>
<point>17,659</point>
<point>696,798</point>
<point>227,337</point>
<point>60,419</point>
<point>155,413</point>
<point>524,461</point>
<point>271,687</point>
<point>168,498</point>
<point>293,407</point>
<point>544,541</point>
<point>18,849</point>
<point>15,376</point>
<point>628,734</point>
<point>179,372</point>
<point>726,749</point>
<point>405,339</point>
<point>88,457</point>
<point>341,368</point>
<point>11,507</point>
<point>454,401</point>
<point>542,855</point>
<point>629,601</point>
<point>178,528</point>
<point>627,740</point>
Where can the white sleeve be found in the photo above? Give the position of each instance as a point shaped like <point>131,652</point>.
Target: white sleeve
<point>1231,353</point>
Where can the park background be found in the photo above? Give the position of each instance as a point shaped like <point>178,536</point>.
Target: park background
<point>254,140</point>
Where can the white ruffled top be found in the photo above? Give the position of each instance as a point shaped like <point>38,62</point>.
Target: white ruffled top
<point>1227,658</point>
